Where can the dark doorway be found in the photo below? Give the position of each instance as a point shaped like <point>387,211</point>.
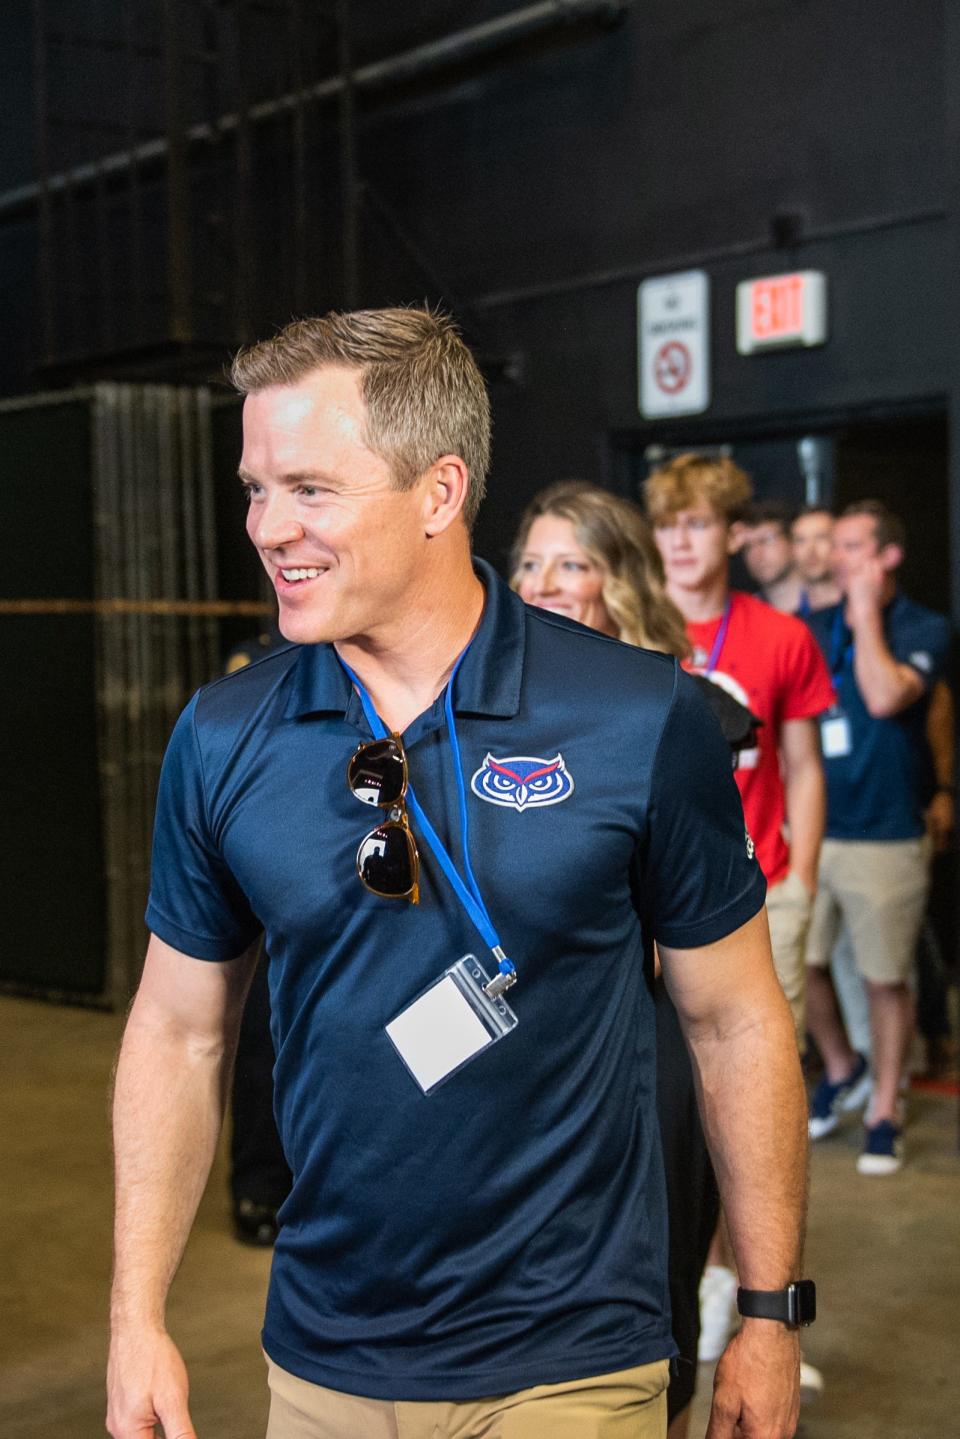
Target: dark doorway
<point>900,460</point>
<point>904,463</point>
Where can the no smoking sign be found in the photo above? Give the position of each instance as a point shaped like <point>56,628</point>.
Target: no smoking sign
<point>672,367</point>
<point>673,344</point>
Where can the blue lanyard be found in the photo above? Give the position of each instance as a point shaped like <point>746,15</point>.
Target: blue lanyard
<point>470,897</point>
<point>715,653</point>
<point>803,608</point>
<point>840,648</point>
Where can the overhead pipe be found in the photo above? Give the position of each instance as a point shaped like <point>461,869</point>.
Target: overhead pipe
<point>462,45</point>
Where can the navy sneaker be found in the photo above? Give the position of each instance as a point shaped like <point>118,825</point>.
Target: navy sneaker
<point>828,1100</point>
<point>882,1150</point>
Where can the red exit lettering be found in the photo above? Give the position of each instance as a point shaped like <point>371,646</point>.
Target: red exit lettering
<point>776,307</point>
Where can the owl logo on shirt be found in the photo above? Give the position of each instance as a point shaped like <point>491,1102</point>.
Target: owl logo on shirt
<point>522,781</point>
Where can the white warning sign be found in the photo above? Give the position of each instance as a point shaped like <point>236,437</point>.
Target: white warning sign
<point>673,322</point>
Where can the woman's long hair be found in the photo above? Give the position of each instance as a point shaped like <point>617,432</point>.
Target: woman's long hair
<point>614,533</point>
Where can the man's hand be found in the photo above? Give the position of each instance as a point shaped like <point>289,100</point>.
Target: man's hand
<point>865,588</point>
<point>756,1389</point>
<point>807,877</point>
<point>940,820</point>
<point>146,1386</point>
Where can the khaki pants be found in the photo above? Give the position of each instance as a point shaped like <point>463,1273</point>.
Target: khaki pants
<point>878,890</point>
<point>789,908</point>
<point>630,1404</point>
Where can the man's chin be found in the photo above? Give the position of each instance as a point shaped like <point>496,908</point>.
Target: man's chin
<point>302,629</point>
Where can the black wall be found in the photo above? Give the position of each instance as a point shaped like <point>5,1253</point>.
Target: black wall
<point>531,189</point>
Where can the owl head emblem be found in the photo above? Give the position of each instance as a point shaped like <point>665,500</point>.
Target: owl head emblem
<point>522,781</point>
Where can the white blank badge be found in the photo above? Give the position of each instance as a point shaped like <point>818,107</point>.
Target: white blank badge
<point>835,736</point>
<point>450,1023</point>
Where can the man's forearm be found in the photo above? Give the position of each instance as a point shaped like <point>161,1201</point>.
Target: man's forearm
<point>941,734</point>
<point>168,1107</point>
<point>887,686</point>
<point>754,1117</point>
<point>805,796</point>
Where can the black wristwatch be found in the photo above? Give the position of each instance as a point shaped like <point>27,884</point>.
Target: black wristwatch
<point>794,1306</point>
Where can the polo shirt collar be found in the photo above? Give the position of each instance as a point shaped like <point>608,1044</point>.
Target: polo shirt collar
<point>488,682</point>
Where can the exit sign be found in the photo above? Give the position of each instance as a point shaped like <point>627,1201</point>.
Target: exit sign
<point>781,310</point>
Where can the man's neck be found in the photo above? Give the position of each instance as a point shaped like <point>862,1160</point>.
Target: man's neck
<point>702,604</point>
<point>784,594</point>
<point>821,594</point>
<point>405,669</point>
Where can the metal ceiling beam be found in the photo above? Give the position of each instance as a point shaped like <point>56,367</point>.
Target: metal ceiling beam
<point>455,49</point>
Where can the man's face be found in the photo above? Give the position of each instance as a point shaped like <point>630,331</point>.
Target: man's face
<point>341,545</point>
<point>854,545</point>
<point>767,553</point>
<point>813,547</point>
<point>694,545</point>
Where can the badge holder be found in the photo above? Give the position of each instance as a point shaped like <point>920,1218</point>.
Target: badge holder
<point>835,738</point>
<point>450,1023</point>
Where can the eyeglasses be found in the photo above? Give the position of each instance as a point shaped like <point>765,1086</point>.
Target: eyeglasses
<point>387,860</point>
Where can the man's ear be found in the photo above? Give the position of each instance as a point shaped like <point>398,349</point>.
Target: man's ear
<point>891,557</point>
<point>445,488</point>
<point>736,537</point>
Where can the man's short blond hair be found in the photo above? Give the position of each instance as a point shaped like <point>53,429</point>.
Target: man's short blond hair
<point>424,395</point>
<point>689,479</point>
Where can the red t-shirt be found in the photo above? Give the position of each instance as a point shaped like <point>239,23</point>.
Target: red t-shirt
<point>770,662</point>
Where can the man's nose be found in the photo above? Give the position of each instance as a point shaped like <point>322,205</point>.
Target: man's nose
<point>275,524</point>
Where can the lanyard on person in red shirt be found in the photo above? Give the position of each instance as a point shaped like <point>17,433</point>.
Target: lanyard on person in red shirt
<point>721,635</point>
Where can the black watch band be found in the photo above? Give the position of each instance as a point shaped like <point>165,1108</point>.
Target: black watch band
<point>794,1306</point>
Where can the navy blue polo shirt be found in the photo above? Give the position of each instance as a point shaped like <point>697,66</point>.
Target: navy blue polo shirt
<point>509,1229</point>
<point>878,791</point>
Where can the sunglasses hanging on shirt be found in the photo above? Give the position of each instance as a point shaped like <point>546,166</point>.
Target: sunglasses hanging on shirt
<point>387,861</point>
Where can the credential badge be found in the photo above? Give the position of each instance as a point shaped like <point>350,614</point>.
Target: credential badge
<point>522,781</point>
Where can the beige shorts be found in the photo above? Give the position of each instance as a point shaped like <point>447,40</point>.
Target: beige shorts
<point>630,1404</point>
<point>789,907</point>
<point>878,889</point>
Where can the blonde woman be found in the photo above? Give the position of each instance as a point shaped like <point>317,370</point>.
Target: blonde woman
<point>585,553</point>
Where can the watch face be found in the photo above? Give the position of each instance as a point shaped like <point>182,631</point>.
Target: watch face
<point>804,1295</point>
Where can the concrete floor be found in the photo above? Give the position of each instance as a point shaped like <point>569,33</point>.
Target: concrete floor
<point>885,1252</point>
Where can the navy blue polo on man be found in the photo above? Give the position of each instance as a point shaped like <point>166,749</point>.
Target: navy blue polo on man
<point>879,785</point>
<point>507,1229</point>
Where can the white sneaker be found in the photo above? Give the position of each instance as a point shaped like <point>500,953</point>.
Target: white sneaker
<point>811,1383</point>
<point>882,1150</point>
<point>718,1311</point>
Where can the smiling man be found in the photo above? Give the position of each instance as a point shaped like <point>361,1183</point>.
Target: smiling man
<point>474,1243</point>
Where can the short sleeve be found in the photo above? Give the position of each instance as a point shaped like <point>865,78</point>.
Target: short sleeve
<point>807,687</point>
<point>923,643</point>
<point>700,876</point>
<point>195,903</point>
